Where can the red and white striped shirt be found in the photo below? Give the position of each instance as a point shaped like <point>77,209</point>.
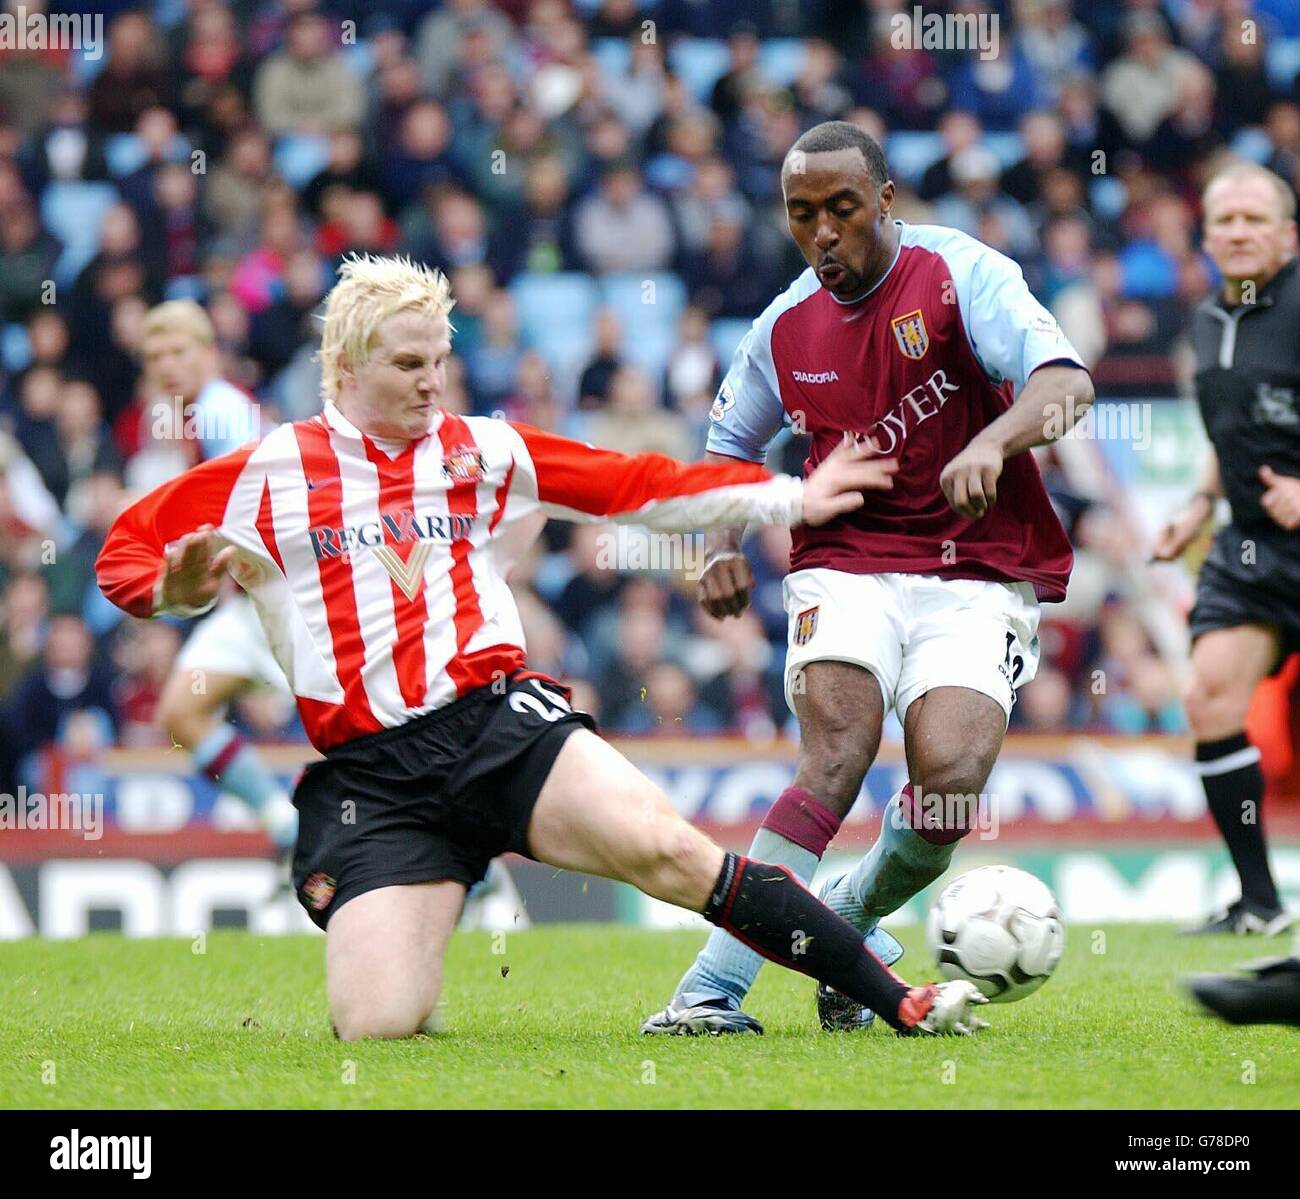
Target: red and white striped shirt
<point>379,569</point>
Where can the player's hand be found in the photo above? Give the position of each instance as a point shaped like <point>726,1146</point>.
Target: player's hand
<point>1282,499</point>
<point>726,585</point>
<point>1180,532</point>
<point>194,566</point>
<point>970,480</point>
<point>836,486</point>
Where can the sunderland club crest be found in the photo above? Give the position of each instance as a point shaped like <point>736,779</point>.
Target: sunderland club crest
<point>318,890</point>
<point>463,464</point>
<point>805,625</point>
<point>909,330</point>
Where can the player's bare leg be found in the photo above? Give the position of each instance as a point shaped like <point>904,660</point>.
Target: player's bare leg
<point>623,827</point>
<point>383,958</point>
<point>840,711</point>
<point>190,711</point>
<point>1227,665</point>
<point>952,736</point>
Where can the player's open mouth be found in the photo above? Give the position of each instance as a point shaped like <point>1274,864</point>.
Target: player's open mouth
<point>832,274</point>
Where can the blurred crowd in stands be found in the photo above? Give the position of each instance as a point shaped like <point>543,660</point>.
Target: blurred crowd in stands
<point>600,179</point>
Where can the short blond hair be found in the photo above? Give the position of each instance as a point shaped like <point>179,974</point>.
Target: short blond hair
<point>1245,169</point>
<point>179,316</point>
<point>369,291</point>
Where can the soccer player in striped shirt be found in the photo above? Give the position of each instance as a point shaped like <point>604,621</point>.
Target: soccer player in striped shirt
<point>375,541</point>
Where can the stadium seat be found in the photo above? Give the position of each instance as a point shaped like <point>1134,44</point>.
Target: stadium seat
<point>125,153</point>
<point>298,157</point>
<point>726,334</point>
<point>1009,147</point>
<point>701,62</point>
<point>780,59</point>
<point>1253,144</point>
<point>910,153</point>
<point>1282,60</point>
<point>73,211</point>
<point>649,308</point>
<point>613,55</point>
<point>15,348</point>
<point>555,316</point>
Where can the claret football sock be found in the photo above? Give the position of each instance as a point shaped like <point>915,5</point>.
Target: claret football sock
<point>1234,790</point>
<point>725,967</point>
<point>226,758</point>
<point>899,864</point>
<point>769,909</point>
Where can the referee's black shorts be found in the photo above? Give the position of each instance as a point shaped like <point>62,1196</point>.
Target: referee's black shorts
<point>1249,578</point>
<point>437,798</point>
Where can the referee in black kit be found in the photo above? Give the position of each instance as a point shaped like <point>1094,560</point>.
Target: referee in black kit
<point>1247,614</point>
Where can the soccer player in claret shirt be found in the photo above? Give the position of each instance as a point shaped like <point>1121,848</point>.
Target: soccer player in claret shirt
<point>375,541</point>
<point>926,598</point>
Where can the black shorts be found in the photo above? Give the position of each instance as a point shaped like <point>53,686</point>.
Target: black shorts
<point>436,798</point>
<point>1265,589</point>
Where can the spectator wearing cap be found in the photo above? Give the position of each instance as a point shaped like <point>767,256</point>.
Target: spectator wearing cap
<point>1141,87</point>
<point>623,227</point>
<point>307,87</point>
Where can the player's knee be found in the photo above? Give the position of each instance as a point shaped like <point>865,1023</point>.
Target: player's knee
<point>382,1017</point>
<point>1215,707</point>
<point>179,716</point>
<point>672,859</point>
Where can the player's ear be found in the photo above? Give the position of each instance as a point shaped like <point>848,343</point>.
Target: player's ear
<point>886,197</point>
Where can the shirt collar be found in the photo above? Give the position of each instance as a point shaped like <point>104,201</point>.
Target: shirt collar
<point>336,420</point>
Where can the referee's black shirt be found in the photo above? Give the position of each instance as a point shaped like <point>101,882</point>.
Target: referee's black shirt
<point>1248,387</point>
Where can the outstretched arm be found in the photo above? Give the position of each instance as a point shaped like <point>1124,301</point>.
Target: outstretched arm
<point>573,480</point>
<point>162,555</point>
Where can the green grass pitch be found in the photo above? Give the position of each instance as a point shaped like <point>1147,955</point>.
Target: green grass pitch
<point>105,1022</point>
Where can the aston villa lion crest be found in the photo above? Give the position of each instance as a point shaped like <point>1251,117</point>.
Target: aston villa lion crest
<point>910,332</point>
<point>805,625</point>
<point>463,464</point>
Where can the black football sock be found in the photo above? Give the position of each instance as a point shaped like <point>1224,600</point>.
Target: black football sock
<point>768,909</point>
<point>1234,790</point>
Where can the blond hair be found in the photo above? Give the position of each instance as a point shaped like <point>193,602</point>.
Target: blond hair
<point>179,316</point>
<point>1245,169</point>
<point>369,291</point>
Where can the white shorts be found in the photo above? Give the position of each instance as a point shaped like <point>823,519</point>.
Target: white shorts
<point>231,641</point>
<point>914,632</point>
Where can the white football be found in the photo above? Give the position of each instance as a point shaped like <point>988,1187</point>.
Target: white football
<point>1000,928</point>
